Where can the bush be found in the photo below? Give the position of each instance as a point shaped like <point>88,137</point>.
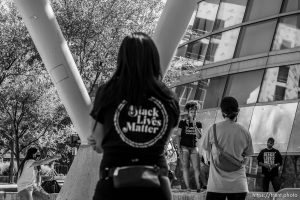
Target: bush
<point>4,168</point>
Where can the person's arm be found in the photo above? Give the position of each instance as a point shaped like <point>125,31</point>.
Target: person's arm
<point>45,161</point>
<point>95,139</point>
<point>198,128</point>
<point>278,160</point>
<point>260,160</point>
<point>38,175</point>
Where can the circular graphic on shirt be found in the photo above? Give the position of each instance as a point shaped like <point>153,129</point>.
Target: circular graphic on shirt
<point>141,126</point>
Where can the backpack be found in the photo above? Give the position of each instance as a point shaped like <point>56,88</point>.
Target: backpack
<point>224,160</point>
<point>51,186</point>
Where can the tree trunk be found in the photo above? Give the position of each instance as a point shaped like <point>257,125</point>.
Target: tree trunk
<point>11,166</point>
<point>17,150</point>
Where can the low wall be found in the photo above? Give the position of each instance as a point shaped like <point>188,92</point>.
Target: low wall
<point>176,196</point>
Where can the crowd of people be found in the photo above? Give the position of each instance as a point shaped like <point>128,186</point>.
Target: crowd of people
<point>134,115</point>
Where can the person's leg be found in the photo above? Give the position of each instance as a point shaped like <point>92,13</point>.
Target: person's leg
<point>185,160</point>
<point>26,194</point>
<point>40,193</point>
<point>266,182</point>
<point>276,183</point>
<point>196,166</point>
<point>202,177</point>
<point>237,196</point>
<point>215,196</point>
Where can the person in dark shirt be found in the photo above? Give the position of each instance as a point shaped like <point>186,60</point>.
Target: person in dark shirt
<point>134,114</point>
<point>188,131</point>
<point>270,159</point>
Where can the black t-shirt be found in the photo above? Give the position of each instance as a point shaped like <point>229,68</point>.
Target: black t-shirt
<point>188,133</point>
<point>270,156</point>
<point>136,134</point>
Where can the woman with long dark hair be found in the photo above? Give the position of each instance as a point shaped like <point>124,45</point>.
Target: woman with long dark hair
<point>28,176</point>
<point>134,115</point>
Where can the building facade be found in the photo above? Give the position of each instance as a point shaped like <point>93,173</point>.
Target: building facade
<point>248,49</point>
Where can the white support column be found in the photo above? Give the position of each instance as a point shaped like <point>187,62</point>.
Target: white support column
<point>171,27</point>
<point>41,23</point>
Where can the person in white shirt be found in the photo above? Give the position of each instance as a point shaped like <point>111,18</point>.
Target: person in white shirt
<point>28,175</point>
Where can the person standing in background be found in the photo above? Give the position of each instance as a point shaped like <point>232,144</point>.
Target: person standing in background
<point>270,159</point>
<point>236,141</point>
<point>29,175</point>
<point>189,130</point>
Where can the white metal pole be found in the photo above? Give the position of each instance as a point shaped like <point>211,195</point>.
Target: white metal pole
<point>171,27</point>
<point>42,25</point>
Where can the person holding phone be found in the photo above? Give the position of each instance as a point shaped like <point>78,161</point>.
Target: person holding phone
<point>189,130</point>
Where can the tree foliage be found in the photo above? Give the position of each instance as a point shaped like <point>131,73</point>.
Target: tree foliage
<point>95,29</point>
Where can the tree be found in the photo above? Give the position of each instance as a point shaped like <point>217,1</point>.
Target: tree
<point>95,29</point>
<point>16,46</point>
<point>27,112</point>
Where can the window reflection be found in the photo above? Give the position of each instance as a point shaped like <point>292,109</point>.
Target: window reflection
<point>272,121</point>
<point>205,17</point>
<point>288,33</point>
<point>280,83</point>
<point>209,91</point>
<point>186,93</point>
<point>247,92</point>
<point>291,5</point>
<point>257,9</point>
<point>256,38</point>
<point>231,12</point>
<point>197,50</point>
<point>221,46</point>
<point>294,144</point>
<point>244,117</point>
<point>207,118</point>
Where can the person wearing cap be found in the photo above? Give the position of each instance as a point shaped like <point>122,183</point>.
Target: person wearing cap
<point>235,140</point>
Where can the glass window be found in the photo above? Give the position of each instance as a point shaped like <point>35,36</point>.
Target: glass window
<point>205,17</point>
<point>294,144</point>
<point>197,50</point>
<point>221,46</point>
<point>280,84</point>
<point>287,33</point>
<point>291,5</point>
<point>256,38</point>
<point>209,91</point>
<point>272,121</point>
<point>207,118</point>
<point>231,12</point>
<point>244,117</point>
<point>248,91</point>
<point>283,74</point>
<point>186,93</point>
<point>258,9</point>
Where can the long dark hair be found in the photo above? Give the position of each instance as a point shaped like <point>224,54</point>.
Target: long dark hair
<point>138,73</point>
<point>29,155</point>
